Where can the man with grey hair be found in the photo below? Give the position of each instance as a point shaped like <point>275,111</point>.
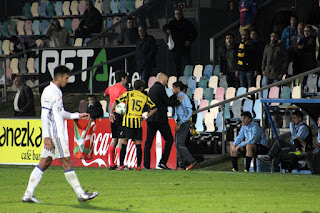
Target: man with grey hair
<point>23,103</point>
<point>159,121</point>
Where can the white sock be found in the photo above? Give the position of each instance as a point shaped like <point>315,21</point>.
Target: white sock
<point>74,182</point>
<point>34,180</point>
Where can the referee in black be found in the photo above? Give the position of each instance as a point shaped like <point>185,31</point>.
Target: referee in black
<point>159,121</point>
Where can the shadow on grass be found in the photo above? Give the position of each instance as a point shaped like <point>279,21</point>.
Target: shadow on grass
<point>87,206</point>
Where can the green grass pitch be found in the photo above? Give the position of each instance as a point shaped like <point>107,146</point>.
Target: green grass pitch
<point>162,191</point>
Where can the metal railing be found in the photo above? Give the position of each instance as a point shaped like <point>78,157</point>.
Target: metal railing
<point>259,90</point>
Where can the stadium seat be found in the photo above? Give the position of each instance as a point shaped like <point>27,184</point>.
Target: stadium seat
<point>4,28</point>
<point>274,94</point>
<point>83,106</point>
<point>12,27</point>
<point>98,5</point>
<point>58,8</point>
<point>209,122</point>
<point>61,21</point>
<point>82,7</point>
<point>39,42</point>
<point>214,109</point>
<point>204,103</point>
<point>198,94</point>
<point>139,3</point>
<point>216,70</point>
<point>192,83</point>
<point>188,72</point>
<point>20,27</point>
<point>227,114</point>
<point>190,93</point>
<point>197,72</point>
<point>26,10</point>
<point>199,123</point>
<point>36,65</point>
<point>258,81</point>
<point>241,91</point>
<point>236,110</point>
<point>30,65</point>
<point>75,24</point>
<point>43,8</point>
<point>34,9</point>
<point>8,69</point>
<point>264,93</point>
<point>114,6</point>
<point>251,89</point>
<point>22,65</point>
<point>6,47</point>
<point>223,82</point>
<point>219,94</point>
<point>248,106</point>
<point>78,42</point>
<point>109,22</point>
<point>123,6</point>
<point>296,92</point>
<point>44,26</point>
<point>151,81</point>
<point>66,8</point>
<point>131,5</point>
<point>285,94</point>
<point>257,108</point>
<point>74,8</point>
<point>208,94</point>
<point>312,82</point>
<point>106,7</point>
<point>219,123</point>
<point>208,71</point>
<point>230,93</point>
<point>28,27</point>
<point>51,9</point>
<point>0,30</point>
<point>117,29</point>
<point>36,27</point>
<point>11,46</point>
<point>67,24</point>
<point>1,53</point>
<point>183,79</point>
<point>213,82</point>
<point>14,65</point>
<point>203,83</point>
<point>171,80</point>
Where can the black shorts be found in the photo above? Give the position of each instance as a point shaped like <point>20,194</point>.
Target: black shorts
<point>116,127</point>
<point>131,133</point>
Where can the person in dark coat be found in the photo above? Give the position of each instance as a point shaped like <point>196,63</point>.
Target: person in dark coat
<point>91,21</point>
<point>23,102</point>
<point>183,34</point>
<point>308,49</point>
<point>94,107</point>
<point>228,61</point>
<point>146,51</point>
<point>159,121</point>
<point>129,35</point>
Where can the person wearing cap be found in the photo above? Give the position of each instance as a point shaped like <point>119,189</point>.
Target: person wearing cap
<point>250,141</point>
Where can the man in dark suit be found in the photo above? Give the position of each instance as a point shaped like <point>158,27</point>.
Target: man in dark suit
<point>94,107</point>
<point>159,121</point>
<point>23,102</point>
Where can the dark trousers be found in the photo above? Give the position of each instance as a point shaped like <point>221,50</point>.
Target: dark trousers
<point>279,152</point>
<point>177,56</point>
<point>313,160</point>
<point>145,74</point>
<point>183,154</point>
<point>165,131</point>
<point>233,80</point>
<point>247,79</point>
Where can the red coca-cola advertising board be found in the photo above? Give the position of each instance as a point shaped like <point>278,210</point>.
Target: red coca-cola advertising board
<point>102,137</point>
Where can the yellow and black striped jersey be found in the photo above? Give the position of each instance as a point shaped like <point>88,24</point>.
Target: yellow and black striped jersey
<point>135,101</point>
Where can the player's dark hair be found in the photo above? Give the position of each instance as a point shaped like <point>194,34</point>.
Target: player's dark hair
<point>61,70</point>
<point>92,96</point>
<point>119,75</point>
<point>246,114</point>
<point>138,84</point>
<point>179,84</point>
<point>298,113</point>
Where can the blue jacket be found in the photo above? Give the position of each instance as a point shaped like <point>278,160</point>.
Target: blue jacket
<point>287,37</point>
<point>184,110</point>
<point>253,133</point>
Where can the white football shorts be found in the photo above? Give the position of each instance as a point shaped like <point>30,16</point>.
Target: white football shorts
<point>60,149</point>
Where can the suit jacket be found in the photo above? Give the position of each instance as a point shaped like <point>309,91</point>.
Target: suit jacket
<point>25,102</point>
<point>158,95</point>
<point>95,111</point>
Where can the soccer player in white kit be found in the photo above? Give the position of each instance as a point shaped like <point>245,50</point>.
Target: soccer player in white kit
<point>55,144</point>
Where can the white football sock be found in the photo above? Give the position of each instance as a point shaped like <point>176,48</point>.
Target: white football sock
<point>34,180</point>
<point>74,182</point>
